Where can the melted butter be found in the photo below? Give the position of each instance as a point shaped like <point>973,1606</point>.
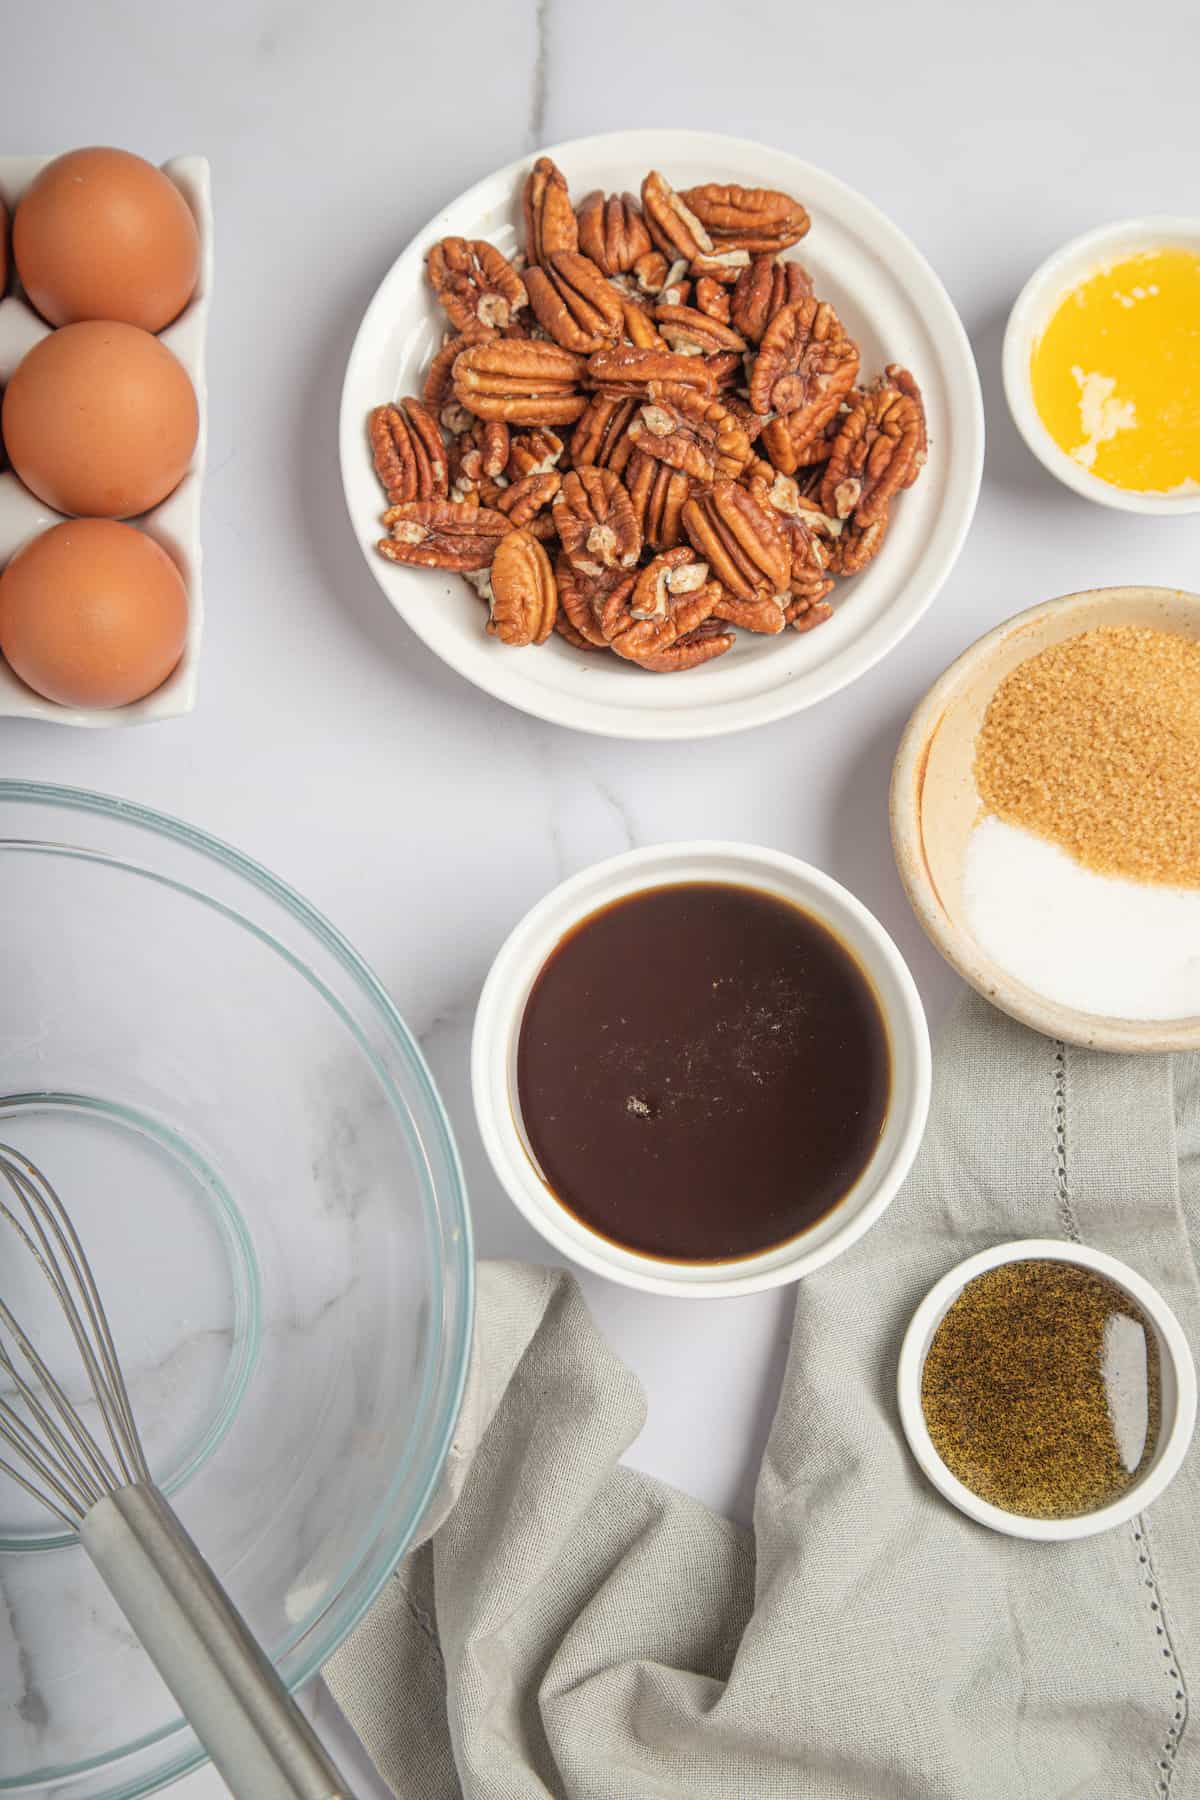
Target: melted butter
<point>1116,373</point>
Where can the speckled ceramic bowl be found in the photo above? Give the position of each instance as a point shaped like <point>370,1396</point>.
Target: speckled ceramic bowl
<point>935,804</point>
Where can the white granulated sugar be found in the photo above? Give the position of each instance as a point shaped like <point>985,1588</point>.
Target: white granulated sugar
<point>1102,945</point>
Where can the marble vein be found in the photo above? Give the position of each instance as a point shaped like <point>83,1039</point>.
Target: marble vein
<point>615,803</point>
<point>457,1012</point>
<point>539,82</point>
<point>31,1705</point>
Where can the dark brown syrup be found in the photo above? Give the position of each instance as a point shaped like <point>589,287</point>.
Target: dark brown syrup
<point>702,1071</point>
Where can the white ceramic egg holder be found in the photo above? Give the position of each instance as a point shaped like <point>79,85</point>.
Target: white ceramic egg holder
<point>176,523</point>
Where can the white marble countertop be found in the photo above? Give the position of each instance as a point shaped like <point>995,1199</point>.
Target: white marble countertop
<point>420,815</point>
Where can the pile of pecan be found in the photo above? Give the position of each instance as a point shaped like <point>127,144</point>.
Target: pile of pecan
<point>646,430</point>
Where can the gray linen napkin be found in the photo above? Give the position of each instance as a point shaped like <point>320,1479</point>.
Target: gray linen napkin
<point>574,1629</point>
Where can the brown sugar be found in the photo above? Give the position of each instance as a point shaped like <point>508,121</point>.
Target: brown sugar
<point>1026,1398</point>
<point>1094,743</point>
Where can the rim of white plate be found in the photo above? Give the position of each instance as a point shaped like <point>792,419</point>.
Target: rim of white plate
<point>1178,1382</point>
<point>893,302</point>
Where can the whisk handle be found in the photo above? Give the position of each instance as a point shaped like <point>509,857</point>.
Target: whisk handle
<point>256,1735</point>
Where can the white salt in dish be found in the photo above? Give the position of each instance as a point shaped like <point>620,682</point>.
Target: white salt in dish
<point>1089,941</point>
<point>936,807</point>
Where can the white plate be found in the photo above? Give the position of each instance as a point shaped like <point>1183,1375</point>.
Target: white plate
<point>890,301</point>
<point>175,524</point>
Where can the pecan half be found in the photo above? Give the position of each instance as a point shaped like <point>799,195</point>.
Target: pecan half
<point>699,646</point>
<point>638,325</point>
<point>658,493</point>
<point>581,596</point>
<point>574,302</point>
<point>671,222</point>
<point>565,629</point>
<point>408,452</point>
<point>757,470</point>
<point>675,293</point>
<point>691,431</point>
<point>523,382</point>
<point>803,614</point>
<point>475,283</point>
<point>693,333</point>
<point>812,544</point>
<point>602,434</point>
<point>463,487</point>
<point>804,450</point>
<point>437,534</point>
<point>612,231</point>
<point>811,535</point>
<point>808,479</point>
<point>665,600</point>
<point>713,299</point>
<point>533,452</point>
<point>524,596</point>
<point>485,492</point>
<point>723,266</point>
<point>651,270</point>
<point>742,542</point>
<point>725,369</point>
<point>764,289</point>
<point>481,451</point>
<point>526,497</point>
<point>438,391</point>
<point>595,520</point>
<point>653,622</point>
<point>879,448</point>
<point>628,370</point>
<point>549,220</point>
<point>754,219</point>
<point>859,544</point>
<point>805,364</point>
<point>752,423</point>
<point>764,614</point>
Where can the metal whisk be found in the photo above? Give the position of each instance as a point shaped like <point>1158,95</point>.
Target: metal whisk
<point>235,1702</point>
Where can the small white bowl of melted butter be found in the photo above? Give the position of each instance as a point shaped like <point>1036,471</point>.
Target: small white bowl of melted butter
<point>1102,365</point>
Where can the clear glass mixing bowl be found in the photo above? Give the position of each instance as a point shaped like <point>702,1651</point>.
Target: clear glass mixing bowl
<point>262,1173</point>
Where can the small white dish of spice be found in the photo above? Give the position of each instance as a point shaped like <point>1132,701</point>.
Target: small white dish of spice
<point>1046,817</point>
<point>1047,1389</point>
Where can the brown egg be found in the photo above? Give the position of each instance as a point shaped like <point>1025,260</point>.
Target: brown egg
<point>3,248</point>
<point>103,234</point>
<point>92,613</point>
<point>100,419</point>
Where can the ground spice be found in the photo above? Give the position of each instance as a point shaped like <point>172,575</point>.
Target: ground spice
<point>1029,1395</point>
<point>1094,743</point>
